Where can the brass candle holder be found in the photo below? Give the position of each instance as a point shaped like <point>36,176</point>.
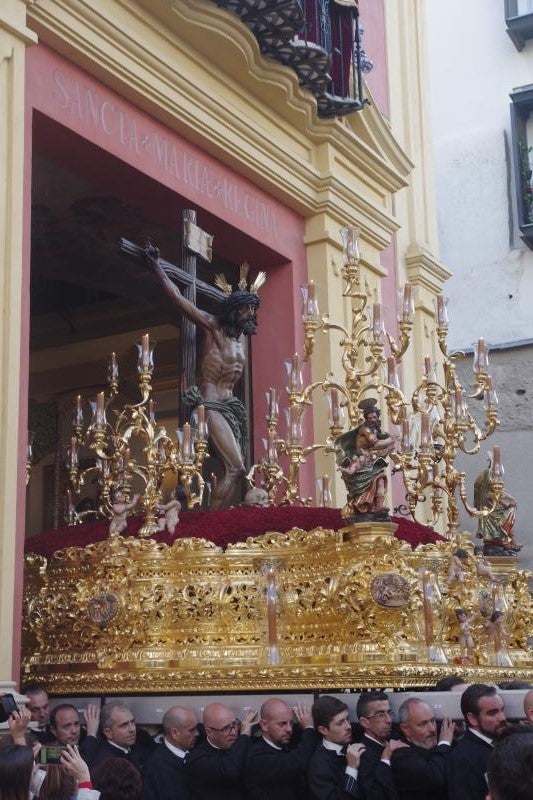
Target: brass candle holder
<point>133,448</point>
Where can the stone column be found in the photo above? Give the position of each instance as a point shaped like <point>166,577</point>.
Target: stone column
<point>14,38</point>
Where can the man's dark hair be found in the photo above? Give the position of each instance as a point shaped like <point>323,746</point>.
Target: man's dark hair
<point>227,312</point>
<point>472,695</point>
<point>117,779</point>
<point>515,685</point>
<point>57,709</point>
<point>365,698</point>
<point>446,684</point>
<point>510,772</point>
<point>325,708</point>
<point>32,687</point>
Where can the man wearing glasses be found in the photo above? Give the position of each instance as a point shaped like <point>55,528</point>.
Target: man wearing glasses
<point>214,768</point>
<point>375,774</point>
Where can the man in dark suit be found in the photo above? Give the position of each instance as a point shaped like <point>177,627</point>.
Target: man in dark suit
<point>332,773</point>
<point>484,714</point>
<point>39,707</point>
<point>119,739</point>
<point>164,774</point>
<point>214,769</point>
<point>510,774</point>
<point>273,770</point>
<point>375,773</point>
<point>419,771</point>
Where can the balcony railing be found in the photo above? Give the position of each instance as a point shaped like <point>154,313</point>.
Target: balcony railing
<point>319,39</point>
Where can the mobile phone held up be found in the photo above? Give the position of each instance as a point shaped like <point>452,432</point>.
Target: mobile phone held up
<point>50,754</point>
<point>7,706</point>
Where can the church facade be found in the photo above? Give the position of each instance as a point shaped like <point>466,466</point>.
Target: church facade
<point>117,116</point>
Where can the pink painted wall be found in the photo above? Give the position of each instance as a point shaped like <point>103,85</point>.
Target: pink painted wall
<point>265,228</point>
<point>374,42</point>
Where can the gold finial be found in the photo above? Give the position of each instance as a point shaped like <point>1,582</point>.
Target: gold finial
<point>243,276</point>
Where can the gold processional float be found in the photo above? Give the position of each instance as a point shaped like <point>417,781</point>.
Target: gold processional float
<point>307,609</point>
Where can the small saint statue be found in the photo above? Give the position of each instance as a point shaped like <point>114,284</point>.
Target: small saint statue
<point>455,567</point>
<point>170,513</point>
<point>120,508</point>
<point>497,528</point>
<point>361,458</point>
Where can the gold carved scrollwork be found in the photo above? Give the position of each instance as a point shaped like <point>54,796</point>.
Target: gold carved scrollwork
<point>348,611</point>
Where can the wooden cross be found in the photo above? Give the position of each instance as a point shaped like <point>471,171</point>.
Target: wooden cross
<point>194,242</point>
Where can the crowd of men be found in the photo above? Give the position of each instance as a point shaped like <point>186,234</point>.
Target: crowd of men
<point>281,753</point>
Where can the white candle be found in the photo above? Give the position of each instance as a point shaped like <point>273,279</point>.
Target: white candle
<point>497,466</point>
<point>78,413</point>
<point>202,430</point>
<point>442,314</point>
<point>335,408</point>
<point>392,374</point>
<point>73,454</point>
<point>100,411</point>
<point>377,327</point>
<point>407,314</point>
<point>458,403</point>
<point>424,429</point>
<point>186,441</point>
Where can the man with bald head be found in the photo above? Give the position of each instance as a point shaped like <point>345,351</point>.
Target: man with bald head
<point>419,771</point>
<point>274,770</point>
<point>164,774</point>
<point>214,769</point>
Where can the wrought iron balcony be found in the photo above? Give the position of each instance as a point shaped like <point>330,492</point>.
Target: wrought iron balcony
<point>319,39</point>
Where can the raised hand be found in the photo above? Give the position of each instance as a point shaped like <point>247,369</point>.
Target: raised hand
<point>394,744</point>
<point>18,725</point>
<point>303,715</point>
<point>353,755</point>
<point>251,716</point>
<point>73,763</point>
<point>92,718</point>
<point>446,730</point>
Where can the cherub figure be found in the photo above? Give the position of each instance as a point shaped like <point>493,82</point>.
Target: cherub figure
<point>455,568</point>
<point>483,568</point>
<point>466,641</point>
<point>120,508</point>
<point>170,513</point>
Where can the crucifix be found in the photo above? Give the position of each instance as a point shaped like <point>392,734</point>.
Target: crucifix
<point>195,242</point>
<point>223,353</point>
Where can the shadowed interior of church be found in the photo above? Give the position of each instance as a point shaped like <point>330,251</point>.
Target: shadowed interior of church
<point>89,299</point>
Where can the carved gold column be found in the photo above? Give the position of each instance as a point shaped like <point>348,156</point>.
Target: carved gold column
<point>14,37</point>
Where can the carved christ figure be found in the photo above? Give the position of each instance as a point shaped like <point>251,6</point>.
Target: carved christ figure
<point>222,361</point>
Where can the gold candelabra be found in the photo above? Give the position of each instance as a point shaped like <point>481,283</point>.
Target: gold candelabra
<point>440,427</point>
<point>435,422</point>
<point>134,449</point>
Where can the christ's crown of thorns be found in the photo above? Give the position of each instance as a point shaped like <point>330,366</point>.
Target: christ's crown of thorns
<point>227,288</point>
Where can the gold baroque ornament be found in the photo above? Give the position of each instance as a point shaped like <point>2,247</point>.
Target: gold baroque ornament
<point>338,608</point>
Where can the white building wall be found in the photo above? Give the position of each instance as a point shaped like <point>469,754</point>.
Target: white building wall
<point>473,67</point>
